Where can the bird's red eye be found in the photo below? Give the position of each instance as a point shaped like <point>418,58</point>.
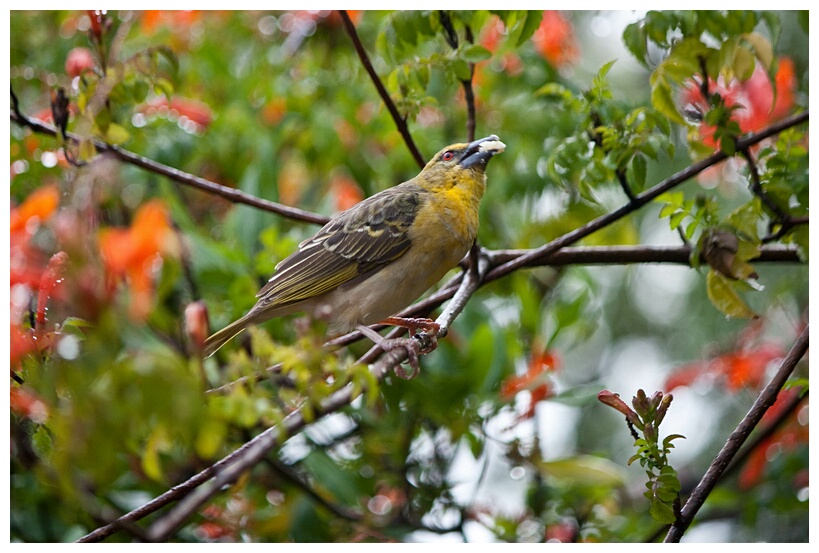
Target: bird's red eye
<point>447,156</point>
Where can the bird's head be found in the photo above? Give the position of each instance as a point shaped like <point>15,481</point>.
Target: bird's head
<point>461,164</point>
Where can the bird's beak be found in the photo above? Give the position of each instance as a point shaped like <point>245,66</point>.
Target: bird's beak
<point>480,151</point>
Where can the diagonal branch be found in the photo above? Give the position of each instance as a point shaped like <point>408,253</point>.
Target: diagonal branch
<point>232,194</point>
<point>400,122</point>
<point>737,438</point>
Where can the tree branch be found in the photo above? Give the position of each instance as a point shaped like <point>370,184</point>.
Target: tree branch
<point>737,438</point>
<point>756,187</point>
<point>400,122</point>
<point>232,194</point>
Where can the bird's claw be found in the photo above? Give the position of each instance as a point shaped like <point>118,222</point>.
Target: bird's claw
<point>413,346</point>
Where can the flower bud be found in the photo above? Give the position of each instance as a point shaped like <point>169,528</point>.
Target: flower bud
<point>196,323</point>
<point>613,400</point>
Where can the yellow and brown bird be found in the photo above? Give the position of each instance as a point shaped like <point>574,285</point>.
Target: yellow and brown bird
<point>377,257</point>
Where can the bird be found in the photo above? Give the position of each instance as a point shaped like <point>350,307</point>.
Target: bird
<point>375,258</point>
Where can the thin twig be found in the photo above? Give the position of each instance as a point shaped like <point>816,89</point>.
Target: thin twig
<point>756,187</point>
<point>290,475</point>
<point>598,141</point>
<point>400,122</point>
<point>469,96</point>
<point>451,37</point>
<point>737,438</point>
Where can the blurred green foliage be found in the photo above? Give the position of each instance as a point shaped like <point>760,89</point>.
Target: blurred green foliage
<point>279,105</point>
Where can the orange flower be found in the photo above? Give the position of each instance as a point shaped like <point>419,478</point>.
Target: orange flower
<point>345,191</point>
<point>274,111</point>
<point>42,203</point>
<point>744,367</point>
<point>177,19</point>
<point>555,41</point>
<point>27,262</point>
<point>132,253</point>
<point>196,323</point>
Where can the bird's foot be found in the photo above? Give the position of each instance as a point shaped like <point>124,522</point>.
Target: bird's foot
<point>411,345</point>
<point>429,326</point>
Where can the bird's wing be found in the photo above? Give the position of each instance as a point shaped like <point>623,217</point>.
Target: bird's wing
<point>363,238</point>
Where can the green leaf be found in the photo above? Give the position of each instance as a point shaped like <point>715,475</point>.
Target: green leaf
<point>639,169</point>
<point>743,65</point>
<point>475,53</point>
<point>530,25</point>
<point>662,98</point>
<point>662,512</point>
<point>210,438</point>
<point>762,49</point>
<point>722,294</point>
<point>634,37</point>
<point>586,469</point>
<point>555,91</point>
<point>87,150</point>
<point>163,87</point>
<point>150,457</point>
<point>116,134</point>
<point>677,219</point>
<point>461,69</point>
<point>403,23</point>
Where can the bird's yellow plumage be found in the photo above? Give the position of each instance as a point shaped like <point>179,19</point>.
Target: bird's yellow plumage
<point>374,259</point>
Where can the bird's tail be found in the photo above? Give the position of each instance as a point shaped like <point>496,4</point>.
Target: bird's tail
<point>220,338</point>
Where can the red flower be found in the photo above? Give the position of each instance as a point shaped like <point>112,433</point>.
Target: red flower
<point>78,61</point>
<point>757,105</point>
<point>193,110</point>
